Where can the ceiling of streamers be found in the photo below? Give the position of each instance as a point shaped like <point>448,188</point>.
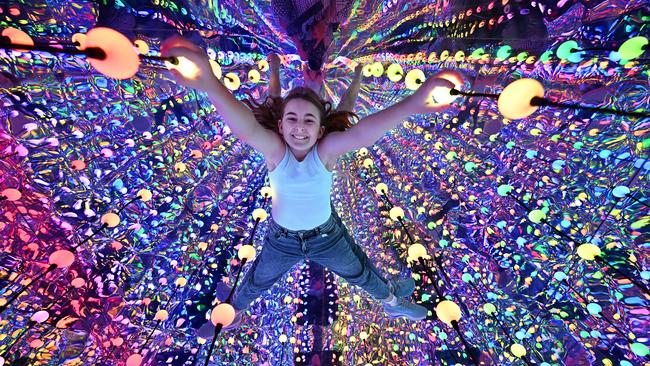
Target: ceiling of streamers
<point>510,211</point>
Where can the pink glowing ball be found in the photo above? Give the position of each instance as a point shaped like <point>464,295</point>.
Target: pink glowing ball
<point>40,316</point>
<point>134,360</point>
<point>62,258</point>
<point>78,282</point>
<point>121,61</point>
<point>11,194</point>
<point>222,314</point>
<point>78,165</point>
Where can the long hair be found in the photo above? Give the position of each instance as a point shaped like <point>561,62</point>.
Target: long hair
<point>271,110</point>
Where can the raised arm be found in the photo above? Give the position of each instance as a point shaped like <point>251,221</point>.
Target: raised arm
<point>371,128</point>
<point>236,115</point>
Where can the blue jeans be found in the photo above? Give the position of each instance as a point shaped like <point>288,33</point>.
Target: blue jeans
<point>329,245</point>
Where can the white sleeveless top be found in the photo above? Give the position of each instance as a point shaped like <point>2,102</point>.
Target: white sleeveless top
<point>301,191</point>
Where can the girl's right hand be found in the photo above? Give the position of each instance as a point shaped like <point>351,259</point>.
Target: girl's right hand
<point>177,46</point>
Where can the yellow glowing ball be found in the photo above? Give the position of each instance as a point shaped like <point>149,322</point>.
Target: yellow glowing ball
<point>231,81</point>
<point>263,65</point>
<point>442,95</point>
<point>80,40</point>
<point>448,311</point>
<point>367,70</point>
<point>417,251</point>
<point>266,191</point>
<point>396,213</point>
<point>247,251</point>
<point>283,338</point>
<point>377,69</point>
<point>222,314</point>
<point>141,46</point>
<point>144,195</point>
<point>518,350</point>
<point>180,167</point>
<point>588,251</point>
<point>368,163</point>
<point>395,72</point>
<point>260,214</point>
<point>363,151</point>
<point>515,100</point>
<point>254,76</point>
<point>414,79</point>
<point>381,188</point>
<point>110,219</point>
<point>216,68</point>
<point>181,281</point>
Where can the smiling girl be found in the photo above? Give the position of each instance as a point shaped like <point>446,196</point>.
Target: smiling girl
<point>301,139</point>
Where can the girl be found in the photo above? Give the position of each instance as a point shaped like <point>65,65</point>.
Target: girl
<point>301,140</point>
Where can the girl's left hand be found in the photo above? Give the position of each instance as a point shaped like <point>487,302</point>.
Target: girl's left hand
<point>422,100</point>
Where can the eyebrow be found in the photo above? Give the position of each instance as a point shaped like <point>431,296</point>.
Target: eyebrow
<point>306,115</point>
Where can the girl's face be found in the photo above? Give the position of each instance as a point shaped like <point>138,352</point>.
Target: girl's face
<point>301,125</point>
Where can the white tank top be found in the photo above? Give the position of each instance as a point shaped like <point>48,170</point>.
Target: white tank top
<point>301,191</point>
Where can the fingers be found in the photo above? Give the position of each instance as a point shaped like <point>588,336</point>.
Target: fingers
<point>440,82</point>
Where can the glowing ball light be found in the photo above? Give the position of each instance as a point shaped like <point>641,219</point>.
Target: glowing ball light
<point>40,316</point>
<point>263,65</point>
<point>79,39</point>
<point>395,72</point>
<point>11,194</point>
<point>78,282</point>
<point>180,167</point>
<point>381,188</point>
<point>417,251</point>
<point>518,350</point>
<point>222,314</point>
<point>266,191</point>
<point>414,79</point>
<point>260,214</point>
<point>489,308</point>
<point>18,37</point>
<point>184,66</point>
<point>514,101</point>
<point>161,315</point>
<point>368,163</point>
<point>246,252</point>
<point>588,251</point>
<point>620,191</point>
<point>639,349</point>
<point>633,48</point>
<point>144,195</point>
<point>77,165</point>
<point>231,81</point>
<point>141,46</point>
<point>180,281</point>
<point>441,95</point>
<point>121,61</point>
<point>396,213</point>
<point>536,216</point>
<point>61,258</point>
<point>448,312</point>
<point>216,69</point>
<point>377,69</point>
<point>134,360</point>
<point>110,219</point>
<point>254,76</point>
<point>569,51</point>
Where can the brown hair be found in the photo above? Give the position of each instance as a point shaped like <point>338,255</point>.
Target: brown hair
<point>271,110</point>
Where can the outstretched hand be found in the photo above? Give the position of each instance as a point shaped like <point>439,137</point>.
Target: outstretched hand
<point>180,48</point>
<point>423,101</point>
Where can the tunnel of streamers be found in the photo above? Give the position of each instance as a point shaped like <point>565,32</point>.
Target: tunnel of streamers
<point>125,201</point>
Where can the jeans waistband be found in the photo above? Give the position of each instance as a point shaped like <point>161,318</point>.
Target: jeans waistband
<point>305,234</point>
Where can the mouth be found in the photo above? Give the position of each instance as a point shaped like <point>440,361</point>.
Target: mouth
<point>300,138</point>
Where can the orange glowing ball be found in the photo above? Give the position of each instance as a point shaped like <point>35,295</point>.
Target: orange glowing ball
<point>222,314</point>
<point>79,38</point>
<point>78,282</point>
<point>18,37</point>
<point>134,360</point>
<point>78,165</point>
<point>121,61</point>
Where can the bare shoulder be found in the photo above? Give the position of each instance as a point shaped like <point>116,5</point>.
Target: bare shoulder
<point>327,150</point>
<point>271,145</point>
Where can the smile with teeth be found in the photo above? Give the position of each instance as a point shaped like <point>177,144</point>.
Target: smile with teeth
<point>298,137</point>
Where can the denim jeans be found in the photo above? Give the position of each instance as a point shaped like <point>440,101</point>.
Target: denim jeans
<point>330,245</point>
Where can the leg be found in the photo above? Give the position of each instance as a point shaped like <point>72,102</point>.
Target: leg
<point>278,255</point>
<point>339,253</point>
<point>350,96</point>
<point>274,77</point>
